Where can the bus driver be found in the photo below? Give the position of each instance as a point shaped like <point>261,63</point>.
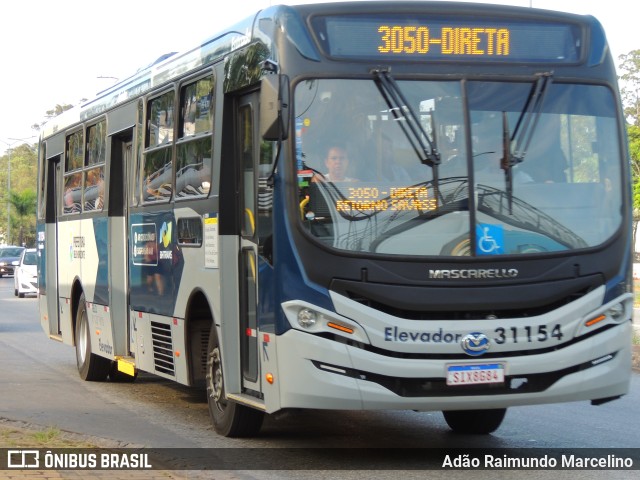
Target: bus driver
<point>337,163</point>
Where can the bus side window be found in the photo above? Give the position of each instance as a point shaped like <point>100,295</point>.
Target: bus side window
<point>193,154</point>
<point>157,175</point>
<point>158,158</point>
<point>94,189</point>
<point>94,171</point>
<point>72,195</point>
<point>74,161</point>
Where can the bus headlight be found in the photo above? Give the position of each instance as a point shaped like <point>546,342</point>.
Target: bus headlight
<point>307,318</point>
<point>616,312</point>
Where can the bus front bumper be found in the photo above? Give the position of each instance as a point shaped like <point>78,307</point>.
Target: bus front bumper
<point>322,373</point>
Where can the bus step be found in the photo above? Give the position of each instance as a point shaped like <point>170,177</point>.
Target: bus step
<point>126,365</point>
<point>247,400</point>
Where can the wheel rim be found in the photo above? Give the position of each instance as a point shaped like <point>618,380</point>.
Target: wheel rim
<point>216,380</point>
<point>83,339</point>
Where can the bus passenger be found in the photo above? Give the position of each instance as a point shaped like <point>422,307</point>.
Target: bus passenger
<point>337,163</point>
<point>73,194</point>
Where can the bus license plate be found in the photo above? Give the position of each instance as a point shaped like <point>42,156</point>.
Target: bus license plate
<point>475,374</point>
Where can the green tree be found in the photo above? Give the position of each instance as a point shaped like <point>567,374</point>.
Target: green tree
<point>24,215</point>
<point>18,187</point>
<point>630,85</point>
<point>20,177</point>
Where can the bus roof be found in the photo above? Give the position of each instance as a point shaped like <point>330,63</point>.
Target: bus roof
<point>169,66</point>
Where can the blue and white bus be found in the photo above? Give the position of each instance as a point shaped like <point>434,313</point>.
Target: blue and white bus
<point>372,205</point>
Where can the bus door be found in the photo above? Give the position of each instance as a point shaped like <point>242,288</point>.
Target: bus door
<point>48,246</point>
<point>121,157</point>
<point>248,154</point>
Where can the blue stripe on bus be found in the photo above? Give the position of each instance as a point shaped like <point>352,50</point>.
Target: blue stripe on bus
<point>100,232</point>
<point>42,258</point>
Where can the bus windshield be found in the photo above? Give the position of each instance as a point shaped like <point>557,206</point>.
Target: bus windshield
<point>364,185</point>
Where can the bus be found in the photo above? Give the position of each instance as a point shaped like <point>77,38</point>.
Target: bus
<point>351,206</point>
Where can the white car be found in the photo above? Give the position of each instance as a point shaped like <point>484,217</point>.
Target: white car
<point>25,277</point>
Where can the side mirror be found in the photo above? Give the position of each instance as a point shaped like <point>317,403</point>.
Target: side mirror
<point>274,107</point>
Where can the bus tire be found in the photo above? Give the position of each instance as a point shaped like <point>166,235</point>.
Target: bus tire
<point>478,422</point>
<point>91,367</point>
<point>229,419</point>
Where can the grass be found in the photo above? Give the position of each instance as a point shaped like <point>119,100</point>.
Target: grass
<point>20,437</point>
<point>47,436</point>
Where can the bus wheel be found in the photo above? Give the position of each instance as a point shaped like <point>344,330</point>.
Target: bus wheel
<point>229,418</point>
<point>479,422</point>
<point>91,367</point>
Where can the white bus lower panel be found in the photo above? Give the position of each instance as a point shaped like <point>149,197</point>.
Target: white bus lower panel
<point>317,372</point>
<point>159,345</point>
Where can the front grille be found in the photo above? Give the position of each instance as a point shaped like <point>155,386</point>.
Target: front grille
<point>467,302</point>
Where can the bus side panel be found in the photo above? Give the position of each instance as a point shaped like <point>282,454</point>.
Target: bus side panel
<point>200,275</point>
<point>155,262</point>
<point>69,269</point>
<point>167,267</point>
<point>91,250</point>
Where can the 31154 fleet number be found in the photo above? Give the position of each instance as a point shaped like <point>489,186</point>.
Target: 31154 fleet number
<point>528,334</point>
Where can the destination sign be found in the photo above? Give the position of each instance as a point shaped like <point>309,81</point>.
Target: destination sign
<point>395,199</point>
<point>411,39</point>
<point>456,38</point>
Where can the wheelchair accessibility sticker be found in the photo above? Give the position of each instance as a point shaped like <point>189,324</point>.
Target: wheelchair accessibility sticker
<point>489,239</point>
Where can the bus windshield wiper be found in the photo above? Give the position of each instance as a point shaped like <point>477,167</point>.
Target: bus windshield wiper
<point>515,146</point>
<point>425,147</point>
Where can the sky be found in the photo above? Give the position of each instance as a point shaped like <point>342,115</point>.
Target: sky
<point>60,51</point>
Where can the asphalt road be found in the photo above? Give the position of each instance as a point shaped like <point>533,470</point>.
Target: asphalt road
<point>39,384</point>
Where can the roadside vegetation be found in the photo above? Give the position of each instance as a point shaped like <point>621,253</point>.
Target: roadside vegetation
<point>17,436</point>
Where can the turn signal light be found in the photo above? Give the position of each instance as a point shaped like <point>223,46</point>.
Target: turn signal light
<point>342,328</point>
<point>595,320</point>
